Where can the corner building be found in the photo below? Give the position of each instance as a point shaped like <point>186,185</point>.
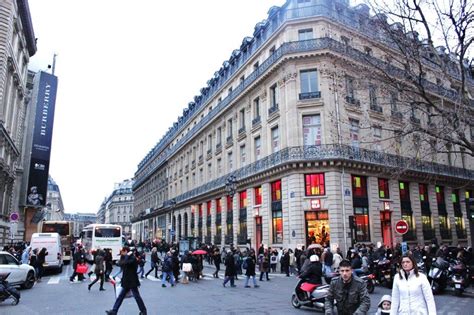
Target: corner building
<point>285,116</point>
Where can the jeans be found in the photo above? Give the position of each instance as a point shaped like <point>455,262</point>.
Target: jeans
<point>136,295</point>
<point>141,271</point>
<point>247,281</point>
<point>164,276</point>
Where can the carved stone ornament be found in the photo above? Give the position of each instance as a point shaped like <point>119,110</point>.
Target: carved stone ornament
<point>288,77</point>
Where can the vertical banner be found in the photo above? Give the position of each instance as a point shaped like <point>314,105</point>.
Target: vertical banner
<point>44,96</point>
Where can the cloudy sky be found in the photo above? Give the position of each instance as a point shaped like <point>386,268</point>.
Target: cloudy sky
<point>126,70</point>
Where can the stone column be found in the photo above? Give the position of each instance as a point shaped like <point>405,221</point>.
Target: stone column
<point>450,209</point>
<point>374,209</point>
<point>251,216</point>
<point>333,202</point>
<point>293,205</point>
<point>265,212</point>
<point>416,208</point>
<point>434,211</point>
<point>396,207</point>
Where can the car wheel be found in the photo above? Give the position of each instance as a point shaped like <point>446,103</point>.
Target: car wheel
<point>30,281</point>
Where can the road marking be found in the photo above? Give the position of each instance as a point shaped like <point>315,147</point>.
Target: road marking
<point>54,280</point>
<point>151,278</point>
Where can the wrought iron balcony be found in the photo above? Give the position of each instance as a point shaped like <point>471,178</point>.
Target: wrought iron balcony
<point>352,101</point>
<point>209,152</point>
<point>256,121</point>
<point>241,130</point>
<point>229,239</point>
<point>273,109</point>
<point>193,165</point>
<point>207,239</point>
<point>376,108</point>
<point>229,140</point>
<point>200,160</point>
<point>397,115</point>
<point>217,239</point>
<point>218,147</point>
<point>186,169</point>
<point>310,95</point>
<point>242,239</point>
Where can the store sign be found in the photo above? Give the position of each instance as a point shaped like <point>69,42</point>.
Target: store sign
<point>386,205</point>
<point>315,204</point>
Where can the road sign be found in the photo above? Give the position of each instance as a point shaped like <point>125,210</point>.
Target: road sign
<point>404,248</point>
<point>401,227</point>
<point>14,216</point>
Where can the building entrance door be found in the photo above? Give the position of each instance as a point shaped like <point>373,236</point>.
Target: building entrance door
<point>317,227</point>
<point>258,232</point>
<point>386,224</point>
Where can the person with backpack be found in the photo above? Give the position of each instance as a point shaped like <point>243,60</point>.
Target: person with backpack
<point>249,266</point>
<point>167,270</point>
<point>327,258</point>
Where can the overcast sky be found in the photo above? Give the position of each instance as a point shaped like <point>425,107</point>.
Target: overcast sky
<point>126,70</point>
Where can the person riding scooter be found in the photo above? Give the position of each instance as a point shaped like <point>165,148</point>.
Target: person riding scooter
<point>312,274</point>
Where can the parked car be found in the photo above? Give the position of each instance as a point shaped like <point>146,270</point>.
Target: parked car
<point>20,274</point>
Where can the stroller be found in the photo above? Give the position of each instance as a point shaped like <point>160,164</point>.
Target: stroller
<point>7,291</point>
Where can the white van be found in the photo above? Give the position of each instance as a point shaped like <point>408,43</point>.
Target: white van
<point>52,243</point>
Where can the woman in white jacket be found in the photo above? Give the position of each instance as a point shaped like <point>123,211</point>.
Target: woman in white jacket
<point>411,293</point>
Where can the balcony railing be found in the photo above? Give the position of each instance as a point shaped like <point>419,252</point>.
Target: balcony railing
<point>352,101</point>
<point>326,153</point>
<point>229,239</point>
<point>397,115</point>
<point>200,160</point>
<point>310,95</point>
<point>241,130</point>
<point>256,121</point>
<point>318,44</point>
<point>229,140</point>
<point>376,108</point>
<point>218,147</point>
<point>193,165</point>
<point>273,109</point>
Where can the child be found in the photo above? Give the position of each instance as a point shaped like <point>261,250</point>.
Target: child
<point>384,305</point>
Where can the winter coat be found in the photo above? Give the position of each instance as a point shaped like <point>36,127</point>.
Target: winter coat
<point>313,273</point>
<point>167,264</point>
<point>264,263</point>
<point>99,265</point>
<point>357,301</point>
<point>386,297</point>
<point>42,256</point>
<point>229,266</point>
<point>129,266</point>
<point>250,271</point>
<point>412,295</point>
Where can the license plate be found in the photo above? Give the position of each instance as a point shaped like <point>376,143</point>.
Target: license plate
<point>457,286</point>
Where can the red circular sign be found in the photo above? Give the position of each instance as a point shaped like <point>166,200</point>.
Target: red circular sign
<point>401,227</point>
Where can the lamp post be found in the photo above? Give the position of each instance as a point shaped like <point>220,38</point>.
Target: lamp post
<point>231,185</point>
<point>172,205</point>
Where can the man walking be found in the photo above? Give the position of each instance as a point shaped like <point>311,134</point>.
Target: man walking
<point>128,263</point>
<point>349,291</point>
<point>167,270</point>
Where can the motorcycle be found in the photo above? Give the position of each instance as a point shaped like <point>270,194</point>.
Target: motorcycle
<point>7,291</point>
<point>369,281</point>
<point>383,271</point>
<point>459,278</point>
<point>313,295</point>
<point>438,275</point>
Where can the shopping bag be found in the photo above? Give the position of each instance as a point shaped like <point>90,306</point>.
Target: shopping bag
<point>118,288</point>
<point>187,267</point>
<point>81,268</point>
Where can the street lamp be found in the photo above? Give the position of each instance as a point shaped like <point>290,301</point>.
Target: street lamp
<point>231,185</point>
<point>172,205</point>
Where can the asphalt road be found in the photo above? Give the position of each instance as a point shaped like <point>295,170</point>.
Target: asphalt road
<point>56,295</point>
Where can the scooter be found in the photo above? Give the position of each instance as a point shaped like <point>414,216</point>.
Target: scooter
<point>369,281</point>
<point>459,277</point>
<point>438,275</point>
<point>313,296</point>
<point>382,268</point>
<point>7,291</point>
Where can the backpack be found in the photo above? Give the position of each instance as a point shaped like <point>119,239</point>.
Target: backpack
<point>245,264</point>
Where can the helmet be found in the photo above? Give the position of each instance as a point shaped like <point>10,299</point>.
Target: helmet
<point>313,258</point>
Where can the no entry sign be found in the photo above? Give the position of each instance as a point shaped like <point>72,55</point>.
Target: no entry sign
<point>401,227</point>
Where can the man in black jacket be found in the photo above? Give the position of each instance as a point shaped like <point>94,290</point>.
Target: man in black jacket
<point>130,281</point>
<point>78,258</point>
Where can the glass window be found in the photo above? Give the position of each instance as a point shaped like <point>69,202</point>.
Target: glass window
<point>275,139</point>
<point>377,131</point>
<point>108,232</point>
<point>276,190</point>
<point>229,204</point>
<point>243,199</point>
<point>359,186</point>
<point>242,118</point>
<point>273,96</point>
<point>258,195</point>
<point>361,217</point>
<point>314,184</point>
<point>309,81</point>
<point>229,128</point>
<point>218,206</point>
<point>305,34</point>
<point>230,161</point>
<point>256,108</point>
<point>423,191</point>
<point>242,154</point>
<point>208,207</point>
<point>350,87</point>
<point>440,194</point>
<point>312,130</point>
<point>257,148</point>
<point>200,210</point>
<point>404,191</point>
<point>354,132</point>
<point>383,188</point>
<point>277,223</point>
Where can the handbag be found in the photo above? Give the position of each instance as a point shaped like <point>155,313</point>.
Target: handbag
<point>119,289</point>
<point>81,268</point>
<point>187,267</point>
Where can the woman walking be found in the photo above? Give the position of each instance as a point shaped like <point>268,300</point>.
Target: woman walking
<point>230,271</point>
<point>154,262</point>
<point>264,265</point>
<point>411,291</point>
<point>250,261</point>
<point>99,270</point>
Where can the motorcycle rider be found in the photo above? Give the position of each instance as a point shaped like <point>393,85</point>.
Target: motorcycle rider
<point>349,291</point>
<point>312,274</point>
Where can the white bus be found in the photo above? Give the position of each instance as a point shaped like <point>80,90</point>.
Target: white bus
<point>102,236</point>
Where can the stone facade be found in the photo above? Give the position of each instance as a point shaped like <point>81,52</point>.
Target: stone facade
<point>17,45</point>
<point>118,207</point>
<point>278,116</point>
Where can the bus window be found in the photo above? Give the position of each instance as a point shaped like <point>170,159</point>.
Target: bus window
<point>88,234</point>
<point>107,232</point>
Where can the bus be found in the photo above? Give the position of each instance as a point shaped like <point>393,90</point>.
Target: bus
<point>65,230</point>
<point>102,236</point>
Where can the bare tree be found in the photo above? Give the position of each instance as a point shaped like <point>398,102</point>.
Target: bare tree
<point>429,70</point>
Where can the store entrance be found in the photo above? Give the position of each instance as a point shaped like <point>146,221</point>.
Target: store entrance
<point>386,224</point>
<point>317,227</point>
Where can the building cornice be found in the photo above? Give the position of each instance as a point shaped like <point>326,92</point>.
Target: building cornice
<point>25,16</point>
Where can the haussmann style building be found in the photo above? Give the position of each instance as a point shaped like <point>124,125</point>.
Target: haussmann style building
<point>284,147</point>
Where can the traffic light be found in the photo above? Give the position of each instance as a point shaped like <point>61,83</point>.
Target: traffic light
<point>470,208</point>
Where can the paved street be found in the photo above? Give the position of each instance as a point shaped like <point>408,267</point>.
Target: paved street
<point>56,295</point>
